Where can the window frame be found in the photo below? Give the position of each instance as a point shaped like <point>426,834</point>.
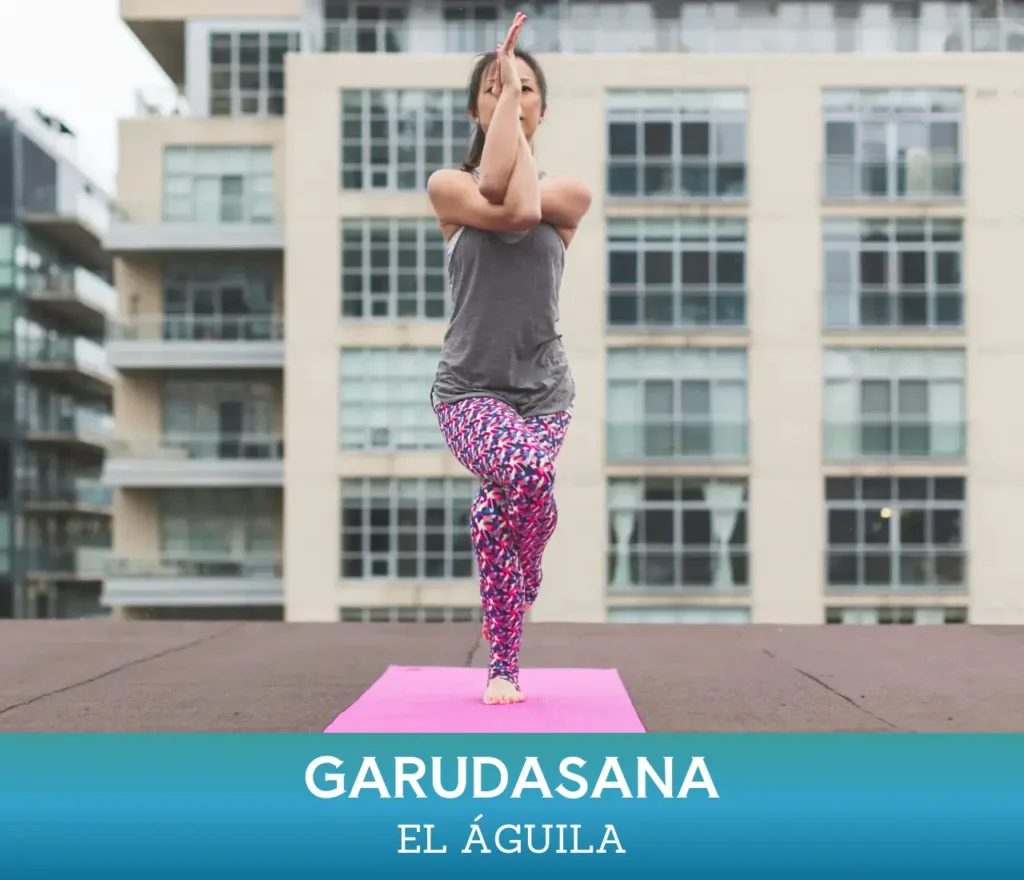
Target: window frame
<point>837,501</point>
<point>429,251</point>
<point>457,558</point>
<point>857,237</point>
<point>641,108</point>
<point>715,236</point>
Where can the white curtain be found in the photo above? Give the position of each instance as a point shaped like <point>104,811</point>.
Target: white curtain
<point>724,499</point>
<point>623,500</point>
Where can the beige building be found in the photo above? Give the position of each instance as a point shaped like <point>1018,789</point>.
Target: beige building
<point>790,312</point>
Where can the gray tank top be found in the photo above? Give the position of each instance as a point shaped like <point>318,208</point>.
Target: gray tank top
<point>502,339</point>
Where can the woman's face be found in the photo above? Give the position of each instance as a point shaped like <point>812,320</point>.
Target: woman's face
<point>529,100</point>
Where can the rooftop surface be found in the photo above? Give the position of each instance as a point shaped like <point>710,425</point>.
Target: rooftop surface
<point>109,676</point>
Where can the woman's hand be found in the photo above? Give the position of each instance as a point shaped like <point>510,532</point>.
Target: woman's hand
<point>508,71</point>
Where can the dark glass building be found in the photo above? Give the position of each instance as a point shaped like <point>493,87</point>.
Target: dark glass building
<point>55,383</point>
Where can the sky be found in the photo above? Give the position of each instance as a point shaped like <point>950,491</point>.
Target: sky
<point>78,61</point>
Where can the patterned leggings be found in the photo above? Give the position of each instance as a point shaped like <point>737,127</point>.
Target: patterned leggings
<point>514,514</point>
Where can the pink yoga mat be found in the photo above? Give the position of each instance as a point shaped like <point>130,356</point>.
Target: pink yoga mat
<point>436,699</point>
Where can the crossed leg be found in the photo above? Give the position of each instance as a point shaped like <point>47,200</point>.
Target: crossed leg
<point>512,517</point>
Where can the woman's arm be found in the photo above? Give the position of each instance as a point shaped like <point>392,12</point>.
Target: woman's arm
<point>564,202</point>
<point>457,201</point>
<point>501,146</point>
<point>523,193</point>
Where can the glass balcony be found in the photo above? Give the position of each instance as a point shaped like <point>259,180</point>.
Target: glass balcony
<point>923,178</point>
<point>245,446</point>
<point>634,29</point>
<point>674,439</point>
<point>84,491</point>
<point>199,328</point>
<point>62,283</point>
<point>890,440</point>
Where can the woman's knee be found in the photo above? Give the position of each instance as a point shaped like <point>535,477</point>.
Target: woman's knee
<point>531,473</point>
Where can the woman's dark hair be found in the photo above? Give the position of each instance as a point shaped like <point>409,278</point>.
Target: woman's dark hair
<point>476,142</point>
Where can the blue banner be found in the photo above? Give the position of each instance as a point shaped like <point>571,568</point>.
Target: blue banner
<point>737,805</point>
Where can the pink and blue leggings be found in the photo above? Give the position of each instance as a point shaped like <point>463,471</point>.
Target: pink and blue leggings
<point>513,516</point>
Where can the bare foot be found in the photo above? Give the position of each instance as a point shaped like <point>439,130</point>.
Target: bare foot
<point>502,692</point>
<point>483,629</point>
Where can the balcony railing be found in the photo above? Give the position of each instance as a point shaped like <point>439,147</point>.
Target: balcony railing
<point>199,328</point>
<point>198,566</point>
<point>924,178</point>
<point>87,492</point>
<point>69,197</point>
<point>667,569</point>
<point>88,560</point>
<point>242,446</point>
<point>66,351</point>
<point>73,284</point>
<point>81,423</point>
<point>886,569</point>
<point>898,439</point>
<point>675,439</point>
<point>766,36</point>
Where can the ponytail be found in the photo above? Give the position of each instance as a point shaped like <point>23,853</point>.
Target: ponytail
<point>475,152</point>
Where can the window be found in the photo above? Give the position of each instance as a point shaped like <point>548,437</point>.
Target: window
<point>416,528</point>
<point>219,185</point>
<point>221,533</point>
<point>227,420</point>
<point>677,403</point>
<point>395,139</point>
<point>411,614</point>
<point>677,144</point>
<point>217,304</point>
<point>893,534</point>
<point>891,144</point>
<point>385,399</point>
<point>247,72</point>
<point>677,534</point>
<point>890,614</point>
<point>682,614</point>
<point>364,27</point>
<point>469,26</point>
<point>677,272</point>
<point>887,403</point>
<point>889,273</point>
<point>393,269</point>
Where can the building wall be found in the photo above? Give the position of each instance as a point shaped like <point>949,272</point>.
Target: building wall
<point>785,341</point>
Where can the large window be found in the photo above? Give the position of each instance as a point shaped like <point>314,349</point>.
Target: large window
<point>393,269</point>
<point>895,534</point>
<point>677,403</point>
<point>410,614</point>
<point>219,185</point>
<point>415,528</point>
<point>677,272</point>
<point>219,527</point>
<point>889,273</point>
<point>677,534</point>
<point>890,615</point>
<point>886,403</point>
<point>218,304</point>
<point>385,399</point>
<point>221,419</point>
<point>893,144</point>
<point>395,139</point>
<point>350,26</point>
<point>247,72</point>
<point>677,144</point>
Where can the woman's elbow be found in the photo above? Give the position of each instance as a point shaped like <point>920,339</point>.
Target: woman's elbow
<point>525,219</point>
<point>492,191</point>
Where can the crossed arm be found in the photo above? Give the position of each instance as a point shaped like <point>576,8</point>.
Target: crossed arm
<point>510,197</point>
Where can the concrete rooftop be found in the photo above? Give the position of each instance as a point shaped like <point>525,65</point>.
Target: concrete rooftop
<point>109,676</point>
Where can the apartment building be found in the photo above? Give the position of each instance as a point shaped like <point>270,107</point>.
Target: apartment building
<point>790,312</point>
<point>55,383</point>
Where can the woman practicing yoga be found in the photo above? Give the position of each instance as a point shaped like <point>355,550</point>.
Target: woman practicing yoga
<point>503,392</point>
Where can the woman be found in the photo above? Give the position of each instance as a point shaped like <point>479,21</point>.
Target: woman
<point>503,392</point>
